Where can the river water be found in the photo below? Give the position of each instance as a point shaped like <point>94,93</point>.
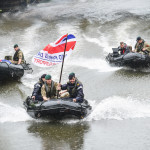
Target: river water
<point>120,97</point>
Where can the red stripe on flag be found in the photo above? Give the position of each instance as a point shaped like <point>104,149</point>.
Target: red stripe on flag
<point>60,48</point>
<point>59,40</point>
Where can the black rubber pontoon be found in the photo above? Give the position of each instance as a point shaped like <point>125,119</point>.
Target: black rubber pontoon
<point>57,108</point>
<point>9,71</point>
<point>133,60</point>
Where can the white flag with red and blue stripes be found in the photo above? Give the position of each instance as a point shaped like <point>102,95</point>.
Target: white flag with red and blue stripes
<point>53,53</point>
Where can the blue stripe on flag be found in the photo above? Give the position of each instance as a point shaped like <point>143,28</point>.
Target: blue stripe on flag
<point>70,36</point>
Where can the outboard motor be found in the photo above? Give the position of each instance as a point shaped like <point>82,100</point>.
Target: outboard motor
<point>8,58</point>
<point>115,52</point>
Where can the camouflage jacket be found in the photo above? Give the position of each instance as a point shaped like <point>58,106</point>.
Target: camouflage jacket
<point>140,46</point>
<point>49,91</point>
<point>18,55</point>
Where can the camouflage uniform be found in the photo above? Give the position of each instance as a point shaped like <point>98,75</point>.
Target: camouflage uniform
<point>18,55</point>
<point>49,91</point>
<point>140,46</point>
<point>74,90</point>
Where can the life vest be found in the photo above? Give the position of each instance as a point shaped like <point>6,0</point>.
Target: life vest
<point>123,49</point>
<point>16,58</point>
<point>140,46</point>
<point>50,91</point>
<point>72,88</point>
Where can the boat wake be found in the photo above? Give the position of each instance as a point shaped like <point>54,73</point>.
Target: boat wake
<point>97,64</point>
<point>12,114</point>
<point>115,107</point>
<point>119,108</point>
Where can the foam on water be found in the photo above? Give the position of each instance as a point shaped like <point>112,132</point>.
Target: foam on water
<point>30,38</point>
<point>97,64</point>
<point>119,108</point>
<point>115,107</point>
<point>122,34</point>
<point>12,114</point>
<point>119,33</point>
<point>102,41</point>
<point>65,28</point>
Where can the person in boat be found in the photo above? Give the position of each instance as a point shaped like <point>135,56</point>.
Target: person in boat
<point>141,46</point>
<point>49,88</point>
<point>124,48</point>
<point>73,88</point>
<point>36,94</point>
<point>18,56</point>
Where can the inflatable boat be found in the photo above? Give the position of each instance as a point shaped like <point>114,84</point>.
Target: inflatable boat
<point>57,108</point>
<point>133,60</point>
<point>9,71</point>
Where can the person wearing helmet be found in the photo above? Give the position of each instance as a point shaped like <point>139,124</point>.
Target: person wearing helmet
<point>36,94</point>
<point>49,89</point>
<point>18,56</point>
<point>141,45</point>
<point>74,87</point>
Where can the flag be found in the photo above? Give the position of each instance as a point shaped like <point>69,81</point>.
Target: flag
<point>53,53</point>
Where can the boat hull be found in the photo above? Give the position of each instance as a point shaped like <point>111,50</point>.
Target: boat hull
<point>12,72</point>
<point>133,60</point>
<point>57,108</point>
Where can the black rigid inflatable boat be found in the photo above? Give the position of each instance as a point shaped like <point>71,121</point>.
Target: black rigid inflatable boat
<point>9,71</point>
<point>133,60</point>
<point>57,108</point>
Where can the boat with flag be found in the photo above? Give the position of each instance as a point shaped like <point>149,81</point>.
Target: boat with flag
<point>57,108</point>
<point>53,54</point>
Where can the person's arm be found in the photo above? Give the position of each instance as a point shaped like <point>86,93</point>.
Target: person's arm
<point>36,89</point>
<point>119,50</point>
<point>80,94</point>
<point>20,58</point>
<point>43,93</point>
<point>64,87</point>
<point>135,48</point>
<point>61,88</point>
<point>146,47</point>
<point>19,61</point>
<point>129,48</point>
<point>62,92</point>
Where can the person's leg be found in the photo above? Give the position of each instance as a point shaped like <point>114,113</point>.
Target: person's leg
<point>65,95</point>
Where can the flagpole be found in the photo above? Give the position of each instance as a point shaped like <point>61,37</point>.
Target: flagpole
<point>62,63</point>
